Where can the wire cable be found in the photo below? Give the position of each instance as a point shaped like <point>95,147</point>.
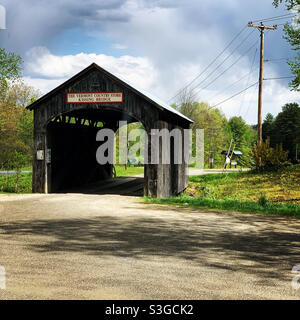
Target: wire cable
<point>252,85</point>
<point>199,75</point>
<point>235,62</point>
<point>284,16</point>
<point>266,79</point>
<point>251,71</point>
<point>255,89</point>
<point>232,84</point>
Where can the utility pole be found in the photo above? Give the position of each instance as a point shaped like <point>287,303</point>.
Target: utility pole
<point>262,29</point>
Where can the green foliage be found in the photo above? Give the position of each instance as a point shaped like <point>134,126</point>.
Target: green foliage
<point>262,200</point>
<point>292,35</point>
<point>214,123</point>
<point>268,126</point>
<point>17,183</point>
<point>289,3</point>
<point>242,134</point>
<point>284,129</point>
<point>16,123</point>
<point>10,65</point>
<point>267,158</point>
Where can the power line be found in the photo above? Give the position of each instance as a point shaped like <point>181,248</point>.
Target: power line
<point>251,70</point>
<point>280,59</point>
<point>235,62</point>
<point>255,88</point>
<point>237,35</point>
<point>243,41</point>
<point>288,15</point>
<point>234,95</point>
<point>265,79</point>
<point>232,84</point>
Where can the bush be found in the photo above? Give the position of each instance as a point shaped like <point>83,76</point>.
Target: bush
<point>266,158</point>
<point>262,200</point>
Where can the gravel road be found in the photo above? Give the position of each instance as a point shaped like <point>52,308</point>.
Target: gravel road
<point>83,246</point>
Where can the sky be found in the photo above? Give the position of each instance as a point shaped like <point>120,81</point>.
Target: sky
<point>157,45</point>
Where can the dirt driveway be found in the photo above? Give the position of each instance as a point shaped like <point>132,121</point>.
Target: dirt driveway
<point>80,246</point>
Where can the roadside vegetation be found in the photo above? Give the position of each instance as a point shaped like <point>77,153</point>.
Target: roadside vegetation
<point>269,192</point>
<point>16,183</point>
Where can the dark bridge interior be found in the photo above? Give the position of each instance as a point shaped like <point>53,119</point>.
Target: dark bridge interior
<point>74,168</point>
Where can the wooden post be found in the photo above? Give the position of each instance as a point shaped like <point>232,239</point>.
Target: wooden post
<point>262,29</point>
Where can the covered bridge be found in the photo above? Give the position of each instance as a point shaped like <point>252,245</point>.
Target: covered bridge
<point>65,133</point>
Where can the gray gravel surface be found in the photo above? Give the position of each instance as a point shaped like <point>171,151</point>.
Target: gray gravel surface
<point>81,246</point>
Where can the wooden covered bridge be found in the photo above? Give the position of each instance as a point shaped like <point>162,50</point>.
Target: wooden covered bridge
<point>65,129</point>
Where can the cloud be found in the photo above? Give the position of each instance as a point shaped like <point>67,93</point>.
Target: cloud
<point>46,70</point>
<point>164,43</point>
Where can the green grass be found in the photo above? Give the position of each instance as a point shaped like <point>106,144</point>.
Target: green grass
<point>290,210</point>
<point>267,193</point>
<point>282,186</point>
<point>20,183</point>
<point>131,171</point>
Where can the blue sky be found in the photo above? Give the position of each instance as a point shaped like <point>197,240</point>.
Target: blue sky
<point>158,45</point>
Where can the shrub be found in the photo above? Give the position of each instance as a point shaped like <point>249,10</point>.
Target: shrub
<point>266,158</point>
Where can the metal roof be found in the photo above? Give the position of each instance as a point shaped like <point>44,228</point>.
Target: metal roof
<point>151,98</point>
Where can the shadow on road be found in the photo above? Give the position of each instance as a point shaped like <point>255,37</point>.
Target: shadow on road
<point>215,245</point>
<point>125,186</point>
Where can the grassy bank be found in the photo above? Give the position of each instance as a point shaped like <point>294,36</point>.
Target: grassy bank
<point>267,193</point>
<point>291,210</point>
<point>19,183</point>
<point>282,186</point>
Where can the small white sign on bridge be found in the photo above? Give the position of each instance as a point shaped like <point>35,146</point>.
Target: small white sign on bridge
<point>95,97</point>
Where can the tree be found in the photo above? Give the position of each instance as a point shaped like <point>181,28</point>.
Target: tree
<point>287,128</point>
<point>242,134</point>
<point>16,123</point>
<point>268,127</point>
<point>10,65</point>
<point>292,35</point>
<point>214,124</point>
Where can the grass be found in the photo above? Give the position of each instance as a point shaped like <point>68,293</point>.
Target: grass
<point>291,210</point>
<point>267,193</point>
<point>20,183</point>
<point>281,187</point>
<point>131,171</point>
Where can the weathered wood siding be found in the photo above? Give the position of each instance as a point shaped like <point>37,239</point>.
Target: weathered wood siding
<point>161,180</point>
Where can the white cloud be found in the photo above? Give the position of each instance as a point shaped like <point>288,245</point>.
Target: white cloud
<point>46,69</point>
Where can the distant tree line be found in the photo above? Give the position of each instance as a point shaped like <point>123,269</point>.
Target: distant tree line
<point>284,129</point>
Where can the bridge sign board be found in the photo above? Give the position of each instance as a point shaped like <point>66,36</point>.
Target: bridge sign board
<point>95,97</point>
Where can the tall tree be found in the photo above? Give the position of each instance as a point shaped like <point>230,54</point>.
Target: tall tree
<point>242,134</point>
<point>287,128</point>
<point>292,35</point>
<point>268,128</point>
<point>214,124</point>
